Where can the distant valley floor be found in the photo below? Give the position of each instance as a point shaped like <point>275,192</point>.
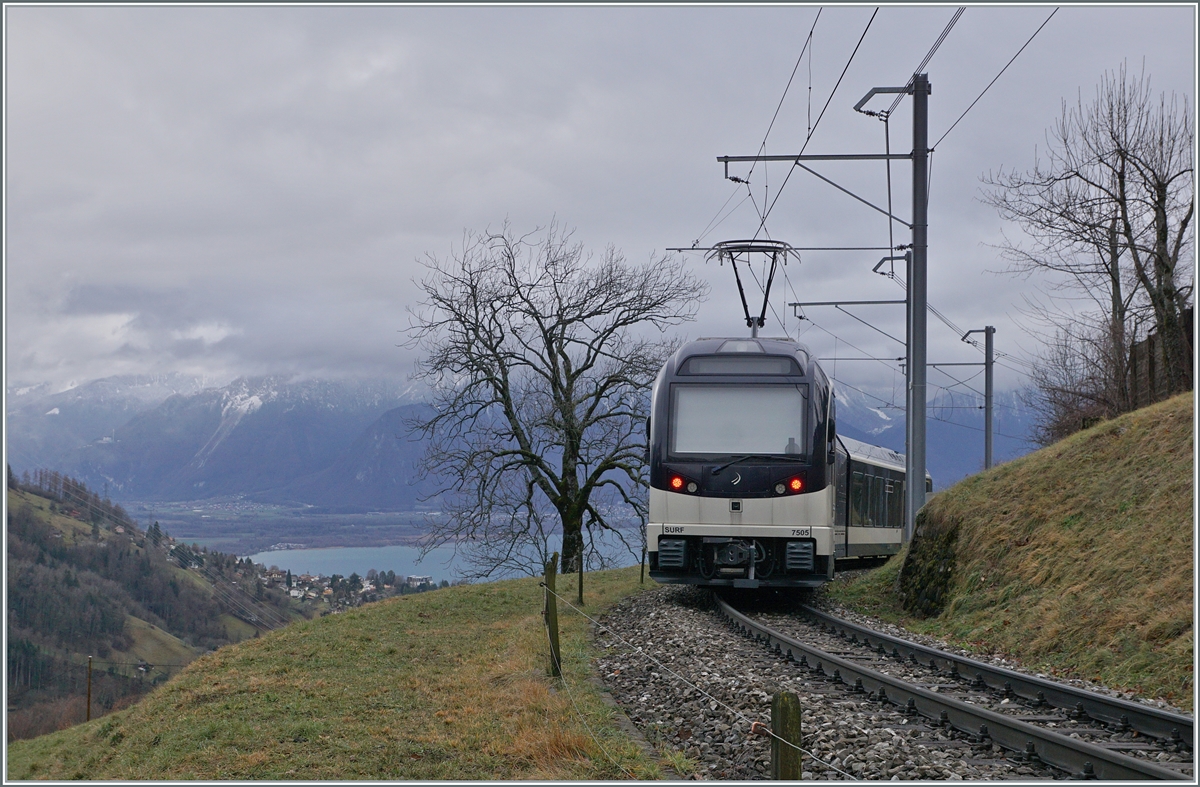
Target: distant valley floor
<point>242,528</point>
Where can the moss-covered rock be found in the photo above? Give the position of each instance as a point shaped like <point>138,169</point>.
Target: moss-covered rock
<point>924,580</point>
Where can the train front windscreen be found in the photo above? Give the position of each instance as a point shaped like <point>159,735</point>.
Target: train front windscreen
<point>713,421</point>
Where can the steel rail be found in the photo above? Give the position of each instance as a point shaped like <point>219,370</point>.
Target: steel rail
<point>1147,720</point>
<point>1084,760</point>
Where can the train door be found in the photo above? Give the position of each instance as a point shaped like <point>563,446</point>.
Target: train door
<point>841,507</point>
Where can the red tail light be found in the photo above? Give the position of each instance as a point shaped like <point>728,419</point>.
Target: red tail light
<point>795,485</point>
<point>677,482</point>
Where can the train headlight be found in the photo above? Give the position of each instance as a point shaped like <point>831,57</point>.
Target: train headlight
<point>780,488</point>
<point>691,487</point>
<point>677,482</point>
<point>795,485</point>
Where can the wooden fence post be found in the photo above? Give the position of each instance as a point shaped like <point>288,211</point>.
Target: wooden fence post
<point>580,598</point>
<point>785,723</point>
<point>551,613</point>
<point>89,693</point>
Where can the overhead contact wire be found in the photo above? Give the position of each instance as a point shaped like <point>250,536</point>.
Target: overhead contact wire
<point>928,56</point>
<point>808,138</point>
<point>771,125</point>
<point>989,85</point>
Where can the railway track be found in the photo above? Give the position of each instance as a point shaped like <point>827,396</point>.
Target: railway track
<point>1083,733</point>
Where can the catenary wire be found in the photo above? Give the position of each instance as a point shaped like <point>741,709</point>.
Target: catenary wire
<point>713,223</point>
<point>980,429</point>
<point>963,383</point>
<point>779,106</point>
<point>808,138</point>
<point>889,364</point>
<point>989,85</point>
<point>886,403</point>
<point>929,56</point>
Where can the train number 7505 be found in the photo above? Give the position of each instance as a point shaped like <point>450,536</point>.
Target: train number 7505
<point>801,531</point>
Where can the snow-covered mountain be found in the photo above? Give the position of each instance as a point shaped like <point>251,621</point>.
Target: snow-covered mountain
<point>344,445</point>
<point>44,426</point>
<point>183,441</point>
<point>953,428</point>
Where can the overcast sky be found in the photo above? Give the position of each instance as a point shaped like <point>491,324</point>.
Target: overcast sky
<point>247,190</point>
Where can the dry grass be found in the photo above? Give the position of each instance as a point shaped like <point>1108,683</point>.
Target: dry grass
<point>444,685</point>
<point>1078,558</point>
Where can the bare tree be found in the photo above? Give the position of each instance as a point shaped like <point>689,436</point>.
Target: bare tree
<point>1109,210</point>
<point>540,360</point>
<point>1071,384</point>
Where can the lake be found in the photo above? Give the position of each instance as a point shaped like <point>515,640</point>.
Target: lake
<point>440,563</point>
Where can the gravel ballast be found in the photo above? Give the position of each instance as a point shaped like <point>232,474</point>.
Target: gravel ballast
<point>692,685</point>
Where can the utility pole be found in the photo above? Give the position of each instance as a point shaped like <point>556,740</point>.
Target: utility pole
<point>988,361</point>
<point>918,305</point>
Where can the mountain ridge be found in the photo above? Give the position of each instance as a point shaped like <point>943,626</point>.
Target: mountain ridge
<point>344,445</point>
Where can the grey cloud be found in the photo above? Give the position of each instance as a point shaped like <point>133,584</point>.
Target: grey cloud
<point>270,175</point>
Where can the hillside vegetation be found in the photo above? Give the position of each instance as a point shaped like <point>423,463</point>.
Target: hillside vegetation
<point>445,685</point>
<point>83,581</point>
<point>1077,559</point>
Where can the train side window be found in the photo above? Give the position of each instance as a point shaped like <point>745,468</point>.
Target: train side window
<point>872,507</point>
<point>896,505</point>
<point>858,502</point>
<point>881,511</point>
<point>868,509</point>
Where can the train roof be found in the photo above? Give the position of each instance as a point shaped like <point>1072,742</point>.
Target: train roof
<point>875,454</point>
<point>761,345</point>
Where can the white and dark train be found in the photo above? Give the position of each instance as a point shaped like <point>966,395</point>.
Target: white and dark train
<point>750,485</point>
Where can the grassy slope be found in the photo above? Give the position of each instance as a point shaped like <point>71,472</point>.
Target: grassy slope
<point>72,529</point>
<point>153,645</point>
<point>1076,559</point>
<point>444,685</point>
